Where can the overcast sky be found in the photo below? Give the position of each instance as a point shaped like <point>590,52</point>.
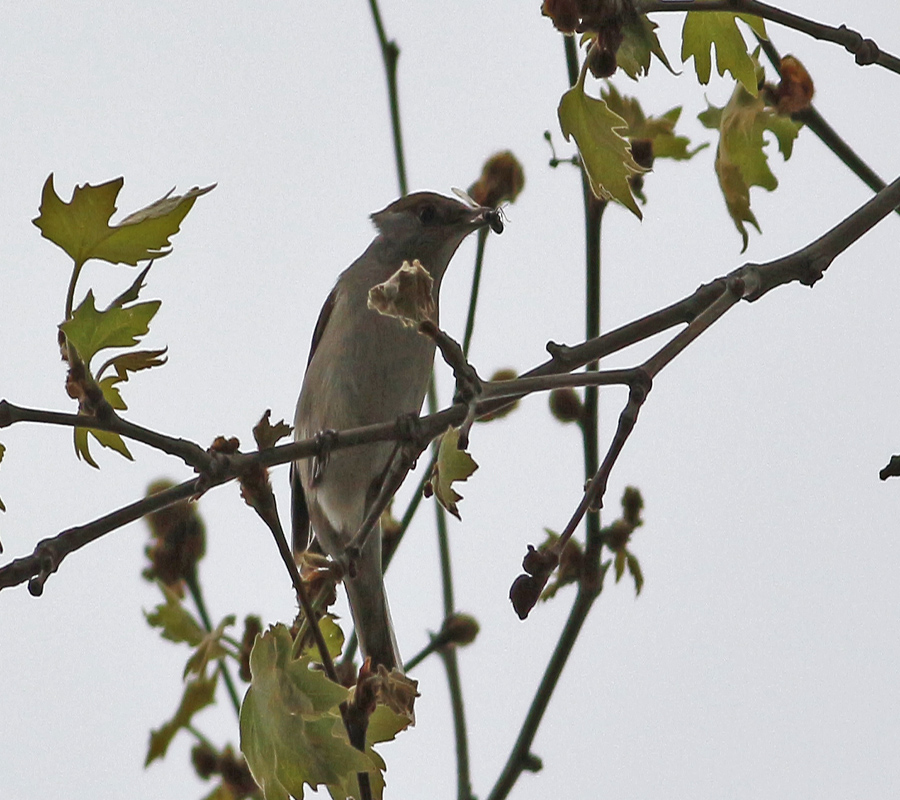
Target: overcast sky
<point>760,659</point>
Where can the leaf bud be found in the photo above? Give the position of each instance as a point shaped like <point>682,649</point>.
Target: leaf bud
<point>177,540</point>
<point>205,761</point>
<point>502,179</point>
<point>566,405</point>
<point>632,505</point>
<point>795,90</point>
<point>252,627</point>
<point>504,374</point>
<point>563,13</point>
<point>459,629</point>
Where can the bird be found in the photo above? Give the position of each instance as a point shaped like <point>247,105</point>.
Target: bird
<point>365,368</point>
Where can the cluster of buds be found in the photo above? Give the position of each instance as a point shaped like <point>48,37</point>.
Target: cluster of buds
<point>502,179</point>
<point>237,781</point>
<point>177,541</point>
<point>603,19</point>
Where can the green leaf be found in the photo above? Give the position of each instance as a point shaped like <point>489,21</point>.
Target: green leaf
<point>209,649</point>
<point>291,728</point>
<point>452,465</point>
<point>634,568</point>
<point>198,694</point>
<point>132,292</point>
<point>606,154</point>
<point>81,227</point>
<point>703,29</point>
<point>177,624</point>
<point>111,393</point>
<point>639,44</point>
<point>620,563</point>
<point>658,130</point>
<point>741,160</point>
<point>334,640</point>
<point>90,330</point>
<point>135,361</point>
<point>106,438</point>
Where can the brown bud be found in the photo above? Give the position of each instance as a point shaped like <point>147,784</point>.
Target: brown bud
<point>236,774</point>
<point>252,627</point>
<point>222,445</point>
<point>539,562</point>
<point>642,152</point>
<point>565,405</point>
<point>632,505</point>
<point>795,91</point>
<point>563,13</point>
<point>502,179</point>
<point>460,629</point>
<point>505,374</point>
<point>177,540</point>
<point>205,761</point>
<point>601,62</point>
<point>524,593</point>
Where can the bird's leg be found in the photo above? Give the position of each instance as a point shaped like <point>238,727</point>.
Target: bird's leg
<point>324,443</point>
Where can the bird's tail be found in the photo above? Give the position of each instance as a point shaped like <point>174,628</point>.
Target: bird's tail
<point>369,606</point>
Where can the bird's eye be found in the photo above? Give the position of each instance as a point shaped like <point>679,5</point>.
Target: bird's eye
<point>427,214</point>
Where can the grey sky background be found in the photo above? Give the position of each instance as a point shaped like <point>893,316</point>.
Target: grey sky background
<point>760,659</point>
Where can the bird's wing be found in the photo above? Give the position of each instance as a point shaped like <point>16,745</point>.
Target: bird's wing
<point>321,323</point>
<point>299,513</point>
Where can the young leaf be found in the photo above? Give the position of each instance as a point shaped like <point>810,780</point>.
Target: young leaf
<point>209,649</point>
<point>606,154</point>
<point>106,438</point>
<point>90,330</point>
<point>639,44</point>
<point>634,567</point>
<point>134,361</point>
<point>268,435</point>
<point>291,728</point>
<point>660,131</point>
<point>198,694</point>
<point>703,29</point>
<point>741,161</point>
<point>333,636</point>
<point>111,392</point>
<point>452,465</point>
<point>81,227</point>
<point>132,292</point>
<point>177,624</point>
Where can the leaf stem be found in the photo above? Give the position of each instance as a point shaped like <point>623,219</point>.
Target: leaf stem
<point>197,595</point>
<point>473,295</point>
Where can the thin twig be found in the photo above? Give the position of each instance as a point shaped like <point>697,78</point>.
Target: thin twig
<point>473,294</point>
<point>197,594</point>
<point>390,53</point>
<point>520,757</point>
<point>189,452</point>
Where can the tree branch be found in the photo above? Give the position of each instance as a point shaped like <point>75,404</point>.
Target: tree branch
<point>865,51</point>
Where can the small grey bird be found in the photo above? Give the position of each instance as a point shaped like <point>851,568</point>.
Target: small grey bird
<point>363,369</point>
